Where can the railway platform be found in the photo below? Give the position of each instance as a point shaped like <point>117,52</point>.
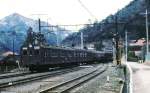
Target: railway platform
<point>140,77</point>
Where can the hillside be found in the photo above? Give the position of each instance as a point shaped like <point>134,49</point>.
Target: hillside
<point>128,19</point>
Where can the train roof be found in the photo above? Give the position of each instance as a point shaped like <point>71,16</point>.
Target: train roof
<point>63,48</point>
<point>72,49</point>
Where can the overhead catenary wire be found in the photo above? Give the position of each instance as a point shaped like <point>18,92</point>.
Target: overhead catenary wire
<point>91,14</point>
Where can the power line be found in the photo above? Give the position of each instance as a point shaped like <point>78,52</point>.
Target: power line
<point>39,15</point>
<point>91,14</point>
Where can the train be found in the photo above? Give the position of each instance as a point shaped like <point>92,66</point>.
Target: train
<point>37,55</point>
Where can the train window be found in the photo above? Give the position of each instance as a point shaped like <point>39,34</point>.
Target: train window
<point>69,54</point>
<point>36,52</point>
<point>54,53</point>
<point>45,54</point>
<point>48,52</point>
<point>30,52</point>
<point>24,52</point>
<point>85,54</point>
<point>80,54</point>
<point>74,54</point>
<point>62,53</point>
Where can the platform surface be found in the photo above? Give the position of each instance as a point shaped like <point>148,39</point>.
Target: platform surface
<point>141,77</point>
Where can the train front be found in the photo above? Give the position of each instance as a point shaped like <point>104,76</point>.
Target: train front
<point>30,50</point>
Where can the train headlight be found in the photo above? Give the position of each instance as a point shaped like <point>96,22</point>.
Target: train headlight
<point>30,45</point>
<point>24,48</point>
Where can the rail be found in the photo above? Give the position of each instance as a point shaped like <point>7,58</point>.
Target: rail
<point>65,87</point>
<point>35,77</point>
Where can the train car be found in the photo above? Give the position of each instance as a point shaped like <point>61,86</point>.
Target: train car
<point>37,55</point>
<point>41,58</point>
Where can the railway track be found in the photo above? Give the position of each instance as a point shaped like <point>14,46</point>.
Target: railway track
<point>66,86</point>
<point>36,77</point>
<point>10,75</point>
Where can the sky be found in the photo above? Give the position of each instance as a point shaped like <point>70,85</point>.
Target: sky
<point>62,11</point>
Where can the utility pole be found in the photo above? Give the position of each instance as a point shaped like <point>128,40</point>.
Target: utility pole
<point>117,42</point>
<point>13,49</point>
<point>126,46</point>
<point>39,22</point>
<point>147,36</point>
<point>13,46</point>
<point>81,40</point>
<point>57,33</point>
<point>146,26</point>
<point>114,51</point>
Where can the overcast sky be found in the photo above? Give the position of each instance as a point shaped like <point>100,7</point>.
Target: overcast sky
<point>62,11</point>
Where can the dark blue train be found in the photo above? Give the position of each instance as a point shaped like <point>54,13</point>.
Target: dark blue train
<point>37,55</point>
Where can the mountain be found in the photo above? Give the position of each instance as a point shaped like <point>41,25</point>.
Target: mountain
<point>14,28</point>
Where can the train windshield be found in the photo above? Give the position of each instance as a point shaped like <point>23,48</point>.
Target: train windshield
<point>24,52</point>
<point>36,52</point>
